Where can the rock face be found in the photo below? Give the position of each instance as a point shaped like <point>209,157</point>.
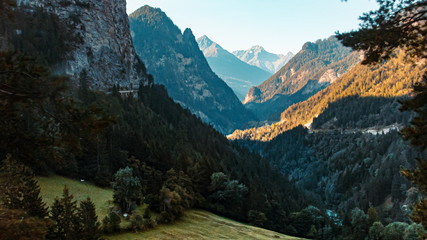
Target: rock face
<point>314,68</point>
<point>258,56</point>
<point>106,51</point>
<point>239,75</point>
<point>175,60</point>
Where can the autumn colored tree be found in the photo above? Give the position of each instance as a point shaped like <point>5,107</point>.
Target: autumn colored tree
<point>20,190</point>
<point>16,224</point>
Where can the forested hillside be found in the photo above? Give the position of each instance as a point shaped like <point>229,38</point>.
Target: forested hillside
<point>178,161</point>
<point>391,80</point>
<point>175,60</point>
<point>312,69</point>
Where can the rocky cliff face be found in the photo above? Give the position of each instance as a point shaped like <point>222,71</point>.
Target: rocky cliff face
<point>175,60</point>
<point>106,51</point>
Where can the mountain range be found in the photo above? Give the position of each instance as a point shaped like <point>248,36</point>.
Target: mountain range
<point>239,75</point>
<point>175,60</point>
<point>258,56</point>
<point>391,79</point>
<point>312,69</point>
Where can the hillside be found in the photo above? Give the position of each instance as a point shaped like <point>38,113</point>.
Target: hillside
<point>90,135</point>
<point>312,69</point>
<point>175,60</point>
<point>239,75</point>
<point>199,224</point>
<point>390,80</point>
<point>196,224</point>
<point>258,56</point>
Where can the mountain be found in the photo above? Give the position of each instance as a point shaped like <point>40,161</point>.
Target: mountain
<point>175,60</point>
<point>239,75</point>
<point>392,79</point>
<point>350,153</point>
<point>89,134</point>
<point>258,56</point>
<point>312,69</point>
<point>104,47</point>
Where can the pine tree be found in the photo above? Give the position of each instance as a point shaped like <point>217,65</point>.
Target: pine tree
<point>64,214</point>
<point>396,24</point>
<point>20,189</point>
<point>417,135</point>
<point>89,220</point>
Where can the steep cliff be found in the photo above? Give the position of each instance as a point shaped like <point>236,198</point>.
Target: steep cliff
<point>105,50</point>
<point>175,60</point>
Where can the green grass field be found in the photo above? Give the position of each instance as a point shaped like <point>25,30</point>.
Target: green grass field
<point>196,224</point>
<point>54,185</point>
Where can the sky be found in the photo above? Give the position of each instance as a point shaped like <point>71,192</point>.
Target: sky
<point>279,26</point>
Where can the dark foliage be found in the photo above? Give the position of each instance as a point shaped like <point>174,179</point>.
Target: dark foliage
<point>396,24</point>
<point>20,190</point>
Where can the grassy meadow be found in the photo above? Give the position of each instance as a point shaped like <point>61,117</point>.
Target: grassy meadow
<point>196,224</point>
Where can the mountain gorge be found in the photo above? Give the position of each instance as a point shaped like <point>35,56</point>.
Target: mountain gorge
<point>175,60</point>
<point>258,56</point>
<point>84,133</point>
<point>239,75</point>
<point>77,100</point>
<point>312,69</point>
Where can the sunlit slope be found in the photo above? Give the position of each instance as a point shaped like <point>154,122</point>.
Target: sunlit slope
<point>199,224</point>
<point>391,79</point>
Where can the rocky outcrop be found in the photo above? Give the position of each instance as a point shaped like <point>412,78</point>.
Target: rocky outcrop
<point>106,51</point>
<point>175,60</point>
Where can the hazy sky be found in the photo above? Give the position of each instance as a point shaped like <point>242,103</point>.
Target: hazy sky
<point>277,25</point>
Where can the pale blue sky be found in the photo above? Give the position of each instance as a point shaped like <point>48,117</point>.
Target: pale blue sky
<point>277,25</point>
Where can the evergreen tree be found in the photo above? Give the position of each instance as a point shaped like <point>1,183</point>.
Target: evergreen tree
<point>417,135</point>
<point>89,220</point>
<point>64,215</point>
<point>20,189</point>
<point>396,24</point>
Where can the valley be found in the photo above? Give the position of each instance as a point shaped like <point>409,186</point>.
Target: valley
<point>117,124</point>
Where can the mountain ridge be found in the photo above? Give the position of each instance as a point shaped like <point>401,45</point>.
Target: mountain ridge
<point>239,75</point>
<point>258,56</point>
<point>312,69</point>
<point>175,60</point>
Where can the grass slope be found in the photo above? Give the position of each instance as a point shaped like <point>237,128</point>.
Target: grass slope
<point>196,224</point>
<point>50,187</point>
<point>199,224</point>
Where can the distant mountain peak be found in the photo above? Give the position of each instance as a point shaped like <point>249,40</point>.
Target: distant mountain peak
<point>259,57</point>
<point>239,75</point>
